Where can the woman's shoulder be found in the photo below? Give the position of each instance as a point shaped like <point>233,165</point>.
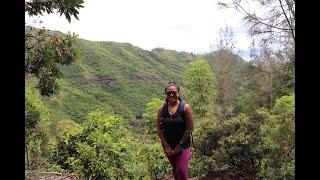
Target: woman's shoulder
<point>187,107</point>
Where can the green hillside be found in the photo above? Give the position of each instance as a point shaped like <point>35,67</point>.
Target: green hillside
<point>118,78</point>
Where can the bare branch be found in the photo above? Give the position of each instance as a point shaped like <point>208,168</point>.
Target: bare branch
<point>253,18</point>
<point>290,7</point>
<point>263,32</point>
<point>222,4</point>
<point>287,20</point>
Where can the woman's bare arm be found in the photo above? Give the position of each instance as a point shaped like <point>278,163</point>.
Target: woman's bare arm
<point>189,119</point>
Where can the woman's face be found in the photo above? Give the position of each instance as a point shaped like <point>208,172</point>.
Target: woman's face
<point>172,94</point>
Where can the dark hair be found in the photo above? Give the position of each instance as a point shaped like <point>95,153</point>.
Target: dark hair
<point>175,85</point>
<point>172,84</point>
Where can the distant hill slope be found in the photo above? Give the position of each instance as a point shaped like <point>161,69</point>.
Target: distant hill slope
<point>116,77</point>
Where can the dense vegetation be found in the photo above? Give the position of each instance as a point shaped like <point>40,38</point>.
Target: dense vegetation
<point>100,122</point>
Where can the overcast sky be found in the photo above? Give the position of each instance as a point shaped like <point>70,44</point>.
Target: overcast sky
<point>181,25</point>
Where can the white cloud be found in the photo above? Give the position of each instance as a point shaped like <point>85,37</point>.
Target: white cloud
<point>183,25</point>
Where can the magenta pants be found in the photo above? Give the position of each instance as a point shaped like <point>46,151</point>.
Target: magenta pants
<point>180,164</point>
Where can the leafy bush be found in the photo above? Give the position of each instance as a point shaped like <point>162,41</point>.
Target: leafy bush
<point>262,147</point>
<point>101,148</point>
<point>156,163</point>
<point>232,145</point>
<point>277,132</point>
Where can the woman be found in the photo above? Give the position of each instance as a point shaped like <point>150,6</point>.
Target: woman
<point>174,125</point>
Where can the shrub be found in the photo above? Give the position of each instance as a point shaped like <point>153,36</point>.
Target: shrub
<point>277,132</point>
<point>100,149</point>
<point>232,145</point>
<point>156,163</point>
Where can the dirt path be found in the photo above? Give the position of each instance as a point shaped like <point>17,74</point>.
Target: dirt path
<point>218,176</point>
<point>171,178</point>
<point>35,175</point>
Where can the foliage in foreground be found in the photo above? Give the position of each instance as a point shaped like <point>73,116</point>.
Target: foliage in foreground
<point>36,134</point>
<point>103,149</point>
<point>262,147</point>
<point>150,116</point>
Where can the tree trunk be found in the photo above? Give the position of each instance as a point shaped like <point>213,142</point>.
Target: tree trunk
<point>27,153</point>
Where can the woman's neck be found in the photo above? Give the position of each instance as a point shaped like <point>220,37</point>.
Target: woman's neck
<point>174,103</point>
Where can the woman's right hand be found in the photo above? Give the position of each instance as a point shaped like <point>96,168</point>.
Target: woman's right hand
<point>168,150</point>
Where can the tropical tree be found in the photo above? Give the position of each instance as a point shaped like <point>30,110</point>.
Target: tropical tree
<point>226,72</point>
<point>45,52</point>
<point>200,82</point>
<point>272,23</point>
<point>68,8</point>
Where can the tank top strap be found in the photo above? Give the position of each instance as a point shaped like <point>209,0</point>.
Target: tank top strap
<point>181,108</point>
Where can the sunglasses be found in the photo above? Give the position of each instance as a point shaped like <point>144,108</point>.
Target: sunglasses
<point>174,93</point>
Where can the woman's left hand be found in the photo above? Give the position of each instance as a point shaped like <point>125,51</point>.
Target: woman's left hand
<point>177,149</point>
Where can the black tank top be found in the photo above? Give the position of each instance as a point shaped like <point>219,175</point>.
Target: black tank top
<point>173,126</point>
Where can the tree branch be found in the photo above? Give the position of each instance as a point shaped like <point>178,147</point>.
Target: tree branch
<point>252,17</point>
<point>290,8</point>
<point>287,21</point>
